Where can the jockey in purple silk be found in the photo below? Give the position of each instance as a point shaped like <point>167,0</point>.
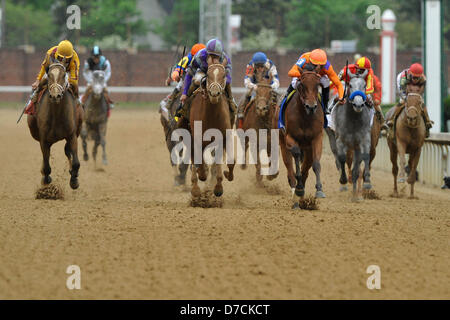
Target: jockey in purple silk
<point>197,70</point>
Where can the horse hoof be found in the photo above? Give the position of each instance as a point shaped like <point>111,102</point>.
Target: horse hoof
<point>343,188</point>
<point>320,194</point>
<point>74,184</point>
<point>195,192</point>
<point>299,192</point>
<point>218,191</point>
<point>343,180</point>
<point>401,180</point>
<point>85,157</point>
<point>367,186</point>
<point>228,175</point>
<point>243,166</point>
<point>105,162</point>
<point>46,180</point>
<point>296,206</point>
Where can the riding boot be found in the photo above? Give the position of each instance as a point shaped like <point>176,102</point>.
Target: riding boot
<point>325,99</point>
<point>108,99</point>
<point>231,103</point>
<point>241,109</point>
<point>397,110</point>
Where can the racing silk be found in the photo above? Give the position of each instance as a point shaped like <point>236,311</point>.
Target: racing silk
<point>352,72</point>
<point>377,90</point>
<point>270,71</point>
<point>182,65</point>
<point>327,70</point>
<point>199,63</point>
<point>73,70</point>
<point>404,79</point>
<point>90,66</point>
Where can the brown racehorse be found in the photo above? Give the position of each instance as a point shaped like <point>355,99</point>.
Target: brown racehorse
<point>58,116</point>
<point>303,137</point>
<point>258,115</point>
<point>210,107</point>
<point>409,138</point>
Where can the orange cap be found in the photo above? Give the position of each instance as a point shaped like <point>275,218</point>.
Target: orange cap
<point>318,56</point>
<point>196,48</point>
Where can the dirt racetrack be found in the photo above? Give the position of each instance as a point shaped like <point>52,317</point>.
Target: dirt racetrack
<point>134,235</point>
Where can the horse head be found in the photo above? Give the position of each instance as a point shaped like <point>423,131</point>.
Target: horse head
<point>57,80</point>
<point>357,97</point>
<point>216,81</point>
<point>309,90</point>
<point>263,95</point>
<point>98,83</point>
<point>414,103</point>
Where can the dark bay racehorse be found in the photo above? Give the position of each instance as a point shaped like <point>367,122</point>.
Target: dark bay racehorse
<point>258,115</point>
<point>353,132</point>
<point>210,107</point>
<point>96,117</point>
<point>58,116</point>
<point>302,140</point>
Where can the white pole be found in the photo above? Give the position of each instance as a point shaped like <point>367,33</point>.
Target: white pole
<point>388,56</point>
<point>433,31</point>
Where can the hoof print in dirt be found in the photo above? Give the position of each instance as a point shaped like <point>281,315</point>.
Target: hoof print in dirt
<point>50,192</point>
<point>207,199</point>
<point>371,194</point>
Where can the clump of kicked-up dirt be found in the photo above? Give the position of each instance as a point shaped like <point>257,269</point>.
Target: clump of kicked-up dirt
<point>307,203</point>
<point>207,199</point>
<point>50,192</point>
<point>371,194</point>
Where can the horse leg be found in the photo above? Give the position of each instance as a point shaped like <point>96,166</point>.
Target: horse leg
<point>73,142</point>
<point>181,178</point>
<point>355,173</point>
<point>393,151</point>
<point>342,151</point>
<point>316,155</point>
<point>95,148</point>
<point>102,131</point>
<point>84,142</point>
<point>287,159</point>
<point>68,152</point>
<point>366,158</point>
<point>259,177</point>
<point>46,169</point>
<point>332,141</point>
<point>218,189</point>
<point>296,154</point>
<point>413,162</point>
<point>402,155</point>
<point>195,191</point>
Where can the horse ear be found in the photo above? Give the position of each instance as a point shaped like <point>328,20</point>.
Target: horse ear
<point>209,60</point>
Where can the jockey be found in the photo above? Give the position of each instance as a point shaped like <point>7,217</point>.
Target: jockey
<point>414,76</point>
<point>258,65</point>
<point>63,50</point>
<point>96,62</point>
<point>197,71</point>
<point>317,61</point>
<point>178,74</point>
<point>363,69</point>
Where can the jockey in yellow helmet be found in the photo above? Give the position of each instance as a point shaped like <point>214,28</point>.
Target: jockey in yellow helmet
<point>63,50</point>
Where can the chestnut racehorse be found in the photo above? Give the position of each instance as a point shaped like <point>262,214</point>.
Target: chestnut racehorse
<point>408,137</point>
<point>302,140</point>
<point>210,107</point>
<point>58,116</point>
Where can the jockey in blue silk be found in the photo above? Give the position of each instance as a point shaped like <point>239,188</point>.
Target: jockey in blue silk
<point>197,70</point>
<point>259,64</point>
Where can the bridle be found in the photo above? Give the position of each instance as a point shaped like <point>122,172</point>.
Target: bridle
<point>215,84</point>
<point>407,107</point>
<point>59,88</point>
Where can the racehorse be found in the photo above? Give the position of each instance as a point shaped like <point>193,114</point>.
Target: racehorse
<point>58,116</point>
<point>210,107</point>
<point>408,137</point>
<point>96,117</point>
<point>168,127</point>
<point>302,140</point>
<point>258,115</point>
<point>353,132</point>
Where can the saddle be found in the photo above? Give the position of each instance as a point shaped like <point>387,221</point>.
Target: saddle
<point>281,122</point>
<point>31,108</point>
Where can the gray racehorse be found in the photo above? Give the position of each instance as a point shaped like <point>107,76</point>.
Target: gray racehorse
<point>353,129</point>
<point>96,117</point>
